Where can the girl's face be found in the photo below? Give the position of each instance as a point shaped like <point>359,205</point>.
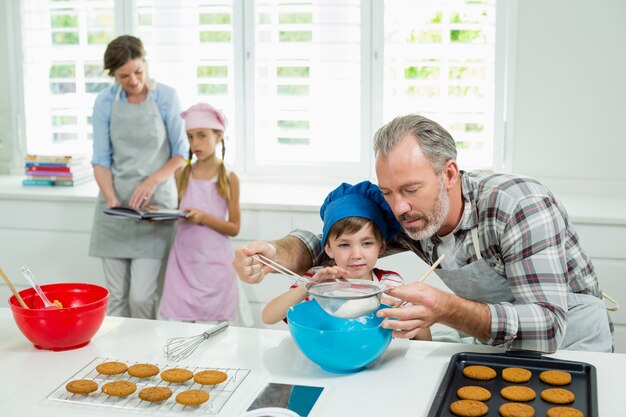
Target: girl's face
<point>202,142</point>
<point>132,76</point>
<point>356,253</point>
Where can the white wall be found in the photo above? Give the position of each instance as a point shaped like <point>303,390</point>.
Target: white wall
<point>569,101</point>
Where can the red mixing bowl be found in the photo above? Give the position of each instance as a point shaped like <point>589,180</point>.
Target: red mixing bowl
<point>71,327</point>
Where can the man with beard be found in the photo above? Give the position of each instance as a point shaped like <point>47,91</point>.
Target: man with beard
<point>520,278</point>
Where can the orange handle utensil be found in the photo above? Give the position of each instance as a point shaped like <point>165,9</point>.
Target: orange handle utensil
<point>17,294</point>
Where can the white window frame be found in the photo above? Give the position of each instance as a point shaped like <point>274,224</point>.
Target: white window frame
<point>371,69</point>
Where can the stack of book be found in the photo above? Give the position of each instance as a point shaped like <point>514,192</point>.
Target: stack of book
<point>50,170</point>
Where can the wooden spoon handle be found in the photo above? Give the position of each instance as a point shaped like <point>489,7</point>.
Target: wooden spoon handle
<point>431,269</point>
<point>17,294</point>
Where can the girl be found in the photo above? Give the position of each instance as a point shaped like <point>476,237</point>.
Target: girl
<point>200,283</point>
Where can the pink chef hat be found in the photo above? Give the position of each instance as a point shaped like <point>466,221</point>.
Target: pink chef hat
<point>204,115</point>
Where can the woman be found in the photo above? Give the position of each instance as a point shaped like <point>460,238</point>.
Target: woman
<point>139,141</point>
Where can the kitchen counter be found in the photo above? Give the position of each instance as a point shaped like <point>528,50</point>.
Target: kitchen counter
<point>402,382</point>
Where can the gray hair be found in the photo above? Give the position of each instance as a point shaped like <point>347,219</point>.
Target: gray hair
<point>435,141</point>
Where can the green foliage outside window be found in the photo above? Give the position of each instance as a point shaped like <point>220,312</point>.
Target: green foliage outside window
<point>215,36</point>
<point>292,72</point>
<point>62,71</point>
<point>421,73</point>
<point>212,71</point>
<point>64,21</point>
<point>293,124</point>
<point>214,18</point>
<point>295,18</point>
<point>295,36</point>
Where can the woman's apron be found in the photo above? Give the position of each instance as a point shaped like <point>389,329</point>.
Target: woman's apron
<point>587,323</point>
<point>139,148</point>
<point>200,284</point>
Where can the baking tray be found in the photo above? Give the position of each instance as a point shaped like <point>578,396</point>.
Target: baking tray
<point>219,394</point>
<point>583,385</point>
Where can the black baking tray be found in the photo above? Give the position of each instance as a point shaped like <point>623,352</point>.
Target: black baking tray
<point>583,383</point>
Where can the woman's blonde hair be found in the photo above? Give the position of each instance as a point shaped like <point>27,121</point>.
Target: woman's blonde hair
<point>223,181</point>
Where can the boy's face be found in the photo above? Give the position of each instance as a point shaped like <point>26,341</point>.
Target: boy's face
<point>356,253</point>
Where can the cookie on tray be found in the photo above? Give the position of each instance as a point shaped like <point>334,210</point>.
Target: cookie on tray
<point>81,386</point>
<point>155,394</point>
<point>558,396</point>
<point>518,393</point>
<point>143,370</point>
<point>176,375</point>
<point>472,392</point>
<point>192,397</point>
<point>480,372</point>
<point>210,377</point>
<point>119,388</point>
<point>564,412</point>
<point>556,377</point>
<point>469,408</point>
<point>111,368</point>
<point>516,410</point>
<point>517,375</point>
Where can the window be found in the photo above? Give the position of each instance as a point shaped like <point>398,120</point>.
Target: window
<point>304,83</point>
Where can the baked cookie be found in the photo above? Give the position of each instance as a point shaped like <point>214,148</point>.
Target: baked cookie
<point>556,377</point>
<point>176,375</point>
<point>564,412</point>
<point>210,377</point>
<point>518,393</point>
<point>143,370</point>
<point>472,392</point>
<point>81,386</point>
<point>558,396</point>
<point>516,410</point>
<point>516,375</point>
<point>111,368</point>
<point>119,388</point>
<point>469,408</point>
<point>155,394</point>
<point>192,397</point>
<point>479,372</point>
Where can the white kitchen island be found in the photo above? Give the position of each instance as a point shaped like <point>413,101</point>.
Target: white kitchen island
<point>403,382</point>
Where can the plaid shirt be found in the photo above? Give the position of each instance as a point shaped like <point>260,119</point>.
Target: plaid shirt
<point>526,237</point>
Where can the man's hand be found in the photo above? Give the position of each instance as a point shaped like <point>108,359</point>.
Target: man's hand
<point>249,269</point>
<point>424,311</point>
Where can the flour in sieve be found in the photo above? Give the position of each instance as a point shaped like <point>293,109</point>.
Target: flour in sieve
<point>357,308</point>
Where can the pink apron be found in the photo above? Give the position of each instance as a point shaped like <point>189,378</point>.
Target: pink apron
<point>200,282</point>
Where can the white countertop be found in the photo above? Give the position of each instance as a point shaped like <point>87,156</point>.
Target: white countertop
<point>589,207</point>
<point>402,382</point>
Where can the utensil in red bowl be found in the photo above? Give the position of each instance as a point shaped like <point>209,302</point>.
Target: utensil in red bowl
<point>70,327</point>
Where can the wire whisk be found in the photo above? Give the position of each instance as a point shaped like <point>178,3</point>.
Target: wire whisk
<point>178,348</point>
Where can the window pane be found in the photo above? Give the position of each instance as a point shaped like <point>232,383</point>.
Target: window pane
<point>63,44</point>
<point>190,47</point>
<point>307,83</point>
<point>440,62</point>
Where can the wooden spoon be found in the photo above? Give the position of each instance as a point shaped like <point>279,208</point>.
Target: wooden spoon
<point>17,294</point>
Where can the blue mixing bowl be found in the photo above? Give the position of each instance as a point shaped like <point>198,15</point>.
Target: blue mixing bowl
<point>337,345</point>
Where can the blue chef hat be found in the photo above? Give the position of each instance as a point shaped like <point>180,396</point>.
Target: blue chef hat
<point>361,200</point>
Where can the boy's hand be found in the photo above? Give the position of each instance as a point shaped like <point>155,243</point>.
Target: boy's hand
<point>329,273</point>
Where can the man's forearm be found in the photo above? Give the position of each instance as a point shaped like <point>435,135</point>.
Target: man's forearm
<point>292,253</point>
<point>467,316</point>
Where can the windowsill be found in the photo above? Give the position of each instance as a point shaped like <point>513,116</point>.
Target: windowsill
<point>603,208</point>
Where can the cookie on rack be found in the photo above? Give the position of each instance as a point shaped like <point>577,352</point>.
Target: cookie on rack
<point>517,375</point>
<point>81,386</point>
<point>480,372</point>
<point>192,397</point>
<point>558,396</point>
<point>556,377</point>
<point>469,408</point>
<point>111,368</point>
<point>119,388</point>
<point>210,377</point>
<point>564,412</point>
<point>516,410</point>
<point>177,375</point>
<point>518,393</point>
<point>155,394</point>
<point>143,370</point>
<point>472,392</point>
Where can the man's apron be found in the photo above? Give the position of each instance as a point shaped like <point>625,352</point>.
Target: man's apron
<point>587,323</point>
<point>139,148</point>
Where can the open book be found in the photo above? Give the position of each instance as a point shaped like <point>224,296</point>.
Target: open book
<point>131,213</point>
